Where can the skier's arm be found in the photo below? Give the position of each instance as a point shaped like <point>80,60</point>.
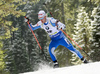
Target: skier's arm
<point>61,25</point>
<point>57,23</point>
<point>34,27</point>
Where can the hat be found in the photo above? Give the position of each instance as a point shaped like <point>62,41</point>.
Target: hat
<point>41,14</point>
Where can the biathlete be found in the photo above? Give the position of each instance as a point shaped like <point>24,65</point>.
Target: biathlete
<point>52,27</point>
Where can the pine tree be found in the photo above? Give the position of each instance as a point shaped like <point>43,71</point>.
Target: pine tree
<point>3,63</point>
<point>17,58</point>
<point>17,45</point>
<point>95,45</point>
<point>8,7</point>
<point>82,30</point>
<point>35,54</point>
<point>75,60</point>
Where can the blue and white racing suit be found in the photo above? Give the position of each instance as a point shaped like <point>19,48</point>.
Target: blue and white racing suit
<point>57,37</point>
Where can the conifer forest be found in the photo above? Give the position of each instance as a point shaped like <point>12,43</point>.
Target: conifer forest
<point>19,51</point>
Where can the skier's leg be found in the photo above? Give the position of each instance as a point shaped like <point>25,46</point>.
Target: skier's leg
<point>51,52</point>
<point>65,42</point>
<point>53,45</point>
<point>73,50</point>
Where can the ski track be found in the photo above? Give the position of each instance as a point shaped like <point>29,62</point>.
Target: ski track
<point>91,68</point>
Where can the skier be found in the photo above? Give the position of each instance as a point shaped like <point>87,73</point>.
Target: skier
<point>52,27</point>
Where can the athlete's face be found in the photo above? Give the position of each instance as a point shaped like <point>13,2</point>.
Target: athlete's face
<point>43,20</point>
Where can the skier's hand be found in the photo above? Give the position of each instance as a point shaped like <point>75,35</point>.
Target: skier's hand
<point>26,19</point>
<point>61,26</point>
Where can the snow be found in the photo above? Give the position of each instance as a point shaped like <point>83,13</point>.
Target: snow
<point>91,68</point>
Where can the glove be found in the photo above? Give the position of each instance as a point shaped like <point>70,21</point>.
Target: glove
<point>61,26</point>
<point>26,19</point>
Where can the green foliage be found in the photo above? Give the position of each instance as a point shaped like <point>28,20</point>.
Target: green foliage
<point>2,63</point>
<point>83,30</point>
<point>23,53</point>
<point>62,55</point>
<point>96,2</point>
<point>75,60</point>
<point>95,43</point>
<point>9,8</point>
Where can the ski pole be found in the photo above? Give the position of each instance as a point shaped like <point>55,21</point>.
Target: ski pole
<point>33,33</point>
<point>74,42</point>
<point>35,38</point>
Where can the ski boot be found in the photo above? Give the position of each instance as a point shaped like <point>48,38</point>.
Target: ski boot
<point>84,60</point>
<point>56,65</point>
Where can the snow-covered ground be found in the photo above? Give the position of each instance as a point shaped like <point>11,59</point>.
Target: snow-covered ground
<point>91,68</point>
